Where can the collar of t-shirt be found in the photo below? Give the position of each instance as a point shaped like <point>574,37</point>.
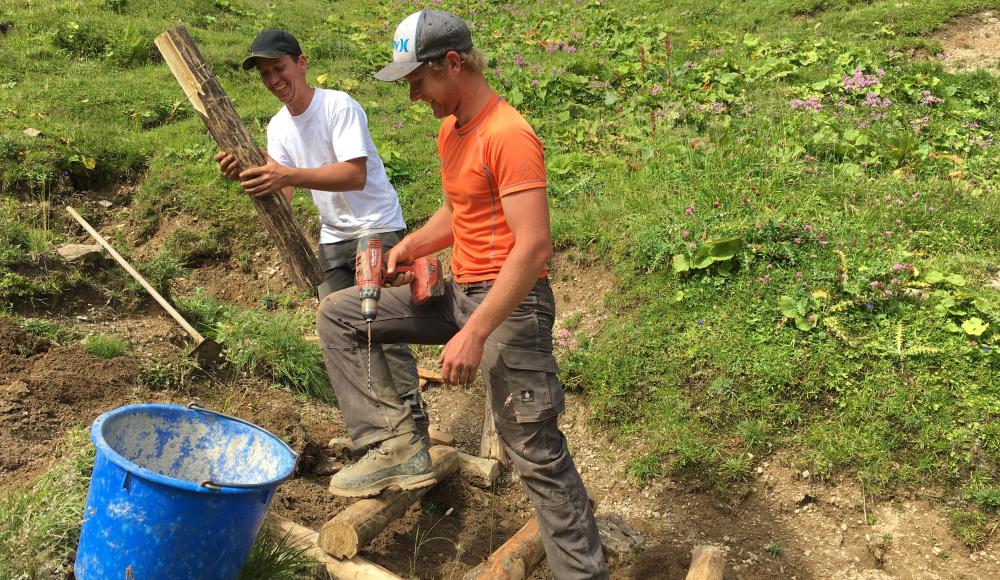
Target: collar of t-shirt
<point>314,105</point>
<point>491,104</point>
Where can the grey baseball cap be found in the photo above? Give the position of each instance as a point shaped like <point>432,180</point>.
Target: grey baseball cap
<point>423,36</point>
<point>272,43</point>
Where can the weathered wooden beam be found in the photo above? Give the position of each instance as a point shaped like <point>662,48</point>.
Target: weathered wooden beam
<point>483,472</point>
<point>429,375</point>
<point>356,568</point>
<point>207,97</point>
<point>358,524</point>
<point>516,559</point>
<point>707,563</point>
<point>489,445</point>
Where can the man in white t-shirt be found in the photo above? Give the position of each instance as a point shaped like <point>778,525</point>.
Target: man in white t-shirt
<point>319,141</point>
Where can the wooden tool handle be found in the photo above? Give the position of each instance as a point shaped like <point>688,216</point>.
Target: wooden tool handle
<point>138,277</point>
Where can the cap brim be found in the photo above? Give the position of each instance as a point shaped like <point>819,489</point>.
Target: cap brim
<point>396,70</point>
<point>250,61</point>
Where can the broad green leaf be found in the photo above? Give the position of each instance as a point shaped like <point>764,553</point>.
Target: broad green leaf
<point>975,326</point>
<point>726,268</point>
<point>952,327</point>
<point>679,296</point>
<point>787,306</point>
<point>515,97</point>
<point>702,258</point>
<point>750,40</point>
<point>803,323</point>
<point>680,263</point>
<point>610,99</point>
<point>726,78</point>
<point>933,277</point>
<point>955,279</point>
<point>724,249</point>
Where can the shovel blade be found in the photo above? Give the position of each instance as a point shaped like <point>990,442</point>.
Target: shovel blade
<point>208,353</point>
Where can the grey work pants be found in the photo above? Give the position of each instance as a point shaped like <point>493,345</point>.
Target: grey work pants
<point>337,262</point>
<point>526,396</point>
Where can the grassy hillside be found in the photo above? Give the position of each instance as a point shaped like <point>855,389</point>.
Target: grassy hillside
<point>798,202</point>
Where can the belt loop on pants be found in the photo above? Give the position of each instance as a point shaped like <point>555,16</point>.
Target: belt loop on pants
<point>467,286</point>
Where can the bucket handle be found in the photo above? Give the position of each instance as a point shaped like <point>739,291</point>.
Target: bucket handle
<point>216,485</point>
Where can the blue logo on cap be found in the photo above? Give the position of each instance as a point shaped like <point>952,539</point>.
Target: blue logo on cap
<point>401,45</point>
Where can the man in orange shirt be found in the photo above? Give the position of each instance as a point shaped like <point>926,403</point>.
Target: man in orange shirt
<point>496,314</point>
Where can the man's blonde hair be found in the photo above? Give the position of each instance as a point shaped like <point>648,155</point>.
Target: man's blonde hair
<point>473,60</point>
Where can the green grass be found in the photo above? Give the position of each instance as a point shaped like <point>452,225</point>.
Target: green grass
<point>852,329</point>
<point>268,343</point>
<point>40,524</point>
<point>274,556</point>
<point>105,347</point>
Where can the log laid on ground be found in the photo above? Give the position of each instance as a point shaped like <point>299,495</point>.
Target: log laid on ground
<point>356,568</point>
<point>207,97</point>
<point>481,471</point>
<point>516,559</point>
<point>707,563</point>
<point>489,445</point>
<point>429,375</point>
<point>358,524</point>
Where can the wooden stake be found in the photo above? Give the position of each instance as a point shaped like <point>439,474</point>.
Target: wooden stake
<point>356,568</point>
<point>358,524</point>
<point>429,375</point>
<point>516,559</point>
<point>207,97</point>
<point>489,445</point>
<point>707,563</point>
<point>482,472</point>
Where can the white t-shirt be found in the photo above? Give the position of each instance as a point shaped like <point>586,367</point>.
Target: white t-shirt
<point>335,128</point>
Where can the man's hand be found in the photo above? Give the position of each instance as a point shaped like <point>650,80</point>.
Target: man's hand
<point>268,178</point>
<point>399,254</point>
<point>227,164</point>
<point>461,357</point>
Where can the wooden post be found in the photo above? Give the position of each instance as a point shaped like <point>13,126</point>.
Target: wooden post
<point>483,472</point>
<point>707,563</point>
<point>489,445</point>
<point>516,559</point>
<point>216,110</point>
<point>356,568</point>
<point>358,524</point>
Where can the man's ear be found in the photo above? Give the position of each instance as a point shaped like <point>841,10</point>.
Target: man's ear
<point>453,61</point>
<point>303,64</point>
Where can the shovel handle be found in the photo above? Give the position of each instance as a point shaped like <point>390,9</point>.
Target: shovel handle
<point>138,277</point>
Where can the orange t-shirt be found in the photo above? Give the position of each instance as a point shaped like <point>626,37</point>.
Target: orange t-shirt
<point>493,155</point>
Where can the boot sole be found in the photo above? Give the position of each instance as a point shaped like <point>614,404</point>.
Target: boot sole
<point>403,482</point>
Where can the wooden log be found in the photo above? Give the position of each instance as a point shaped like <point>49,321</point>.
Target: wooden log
<point>358,524</point>
<point>516,559</point>
<point>429,375</point>
<point>440,437</point>
<point>356,568</point>
<point>707,563</point>
<point>207,97</point>
<point>489,445</point>
<point>483,472</point>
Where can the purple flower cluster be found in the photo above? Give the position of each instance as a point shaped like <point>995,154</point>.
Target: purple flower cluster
<point>657,89</point>
<point>872,100</point>
<point>928,98</point>
<point>859,81</point>
<point>519,61</point>
<point>807,104</point>
<point>565,339</point>
<point>558,45</point>
<point>600,84</point>
<point>981,142</point>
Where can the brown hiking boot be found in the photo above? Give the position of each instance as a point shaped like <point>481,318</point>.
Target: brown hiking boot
<point>402,461</point>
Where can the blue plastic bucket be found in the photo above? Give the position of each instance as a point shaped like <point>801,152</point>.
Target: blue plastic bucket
<point>176,492</point>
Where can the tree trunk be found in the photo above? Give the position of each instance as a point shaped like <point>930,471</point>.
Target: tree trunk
<point>516,559</point>
<point>207,97</point>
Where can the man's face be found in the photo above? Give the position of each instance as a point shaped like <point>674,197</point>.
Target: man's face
<point>284,76</point>
<point>434,88</point>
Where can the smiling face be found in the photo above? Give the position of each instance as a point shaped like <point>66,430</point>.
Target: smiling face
<point>434,88</point>
<point>285,77</point>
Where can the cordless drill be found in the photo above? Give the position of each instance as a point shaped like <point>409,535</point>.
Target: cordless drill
<point>370,276</point>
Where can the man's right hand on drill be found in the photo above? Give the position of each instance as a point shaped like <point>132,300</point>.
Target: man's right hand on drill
<point>399,254</point>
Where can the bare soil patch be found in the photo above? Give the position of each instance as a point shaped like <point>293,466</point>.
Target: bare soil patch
<point>971,42</point>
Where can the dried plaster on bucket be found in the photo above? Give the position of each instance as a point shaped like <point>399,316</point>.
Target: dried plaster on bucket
<point>192,450</point>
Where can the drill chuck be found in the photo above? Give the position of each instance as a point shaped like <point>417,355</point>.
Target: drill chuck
<point>369,308</point>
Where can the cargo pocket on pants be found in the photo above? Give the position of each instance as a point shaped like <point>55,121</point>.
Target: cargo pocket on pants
<point>533,389</point>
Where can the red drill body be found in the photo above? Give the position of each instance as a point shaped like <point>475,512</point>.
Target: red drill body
<point>370,276</point>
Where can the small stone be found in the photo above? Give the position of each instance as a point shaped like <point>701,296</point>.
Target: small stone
<point>86,253</point>
<point>973,557</point>
<point>656,515</point>
<point>105,203</point>
<point>760,470</point>
<point>805,474</point>
<point>843,527</point>
<point>937,550</point>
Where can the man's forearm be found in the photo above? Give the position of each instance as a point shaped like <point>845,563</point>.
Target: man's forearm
<point>341,176</point>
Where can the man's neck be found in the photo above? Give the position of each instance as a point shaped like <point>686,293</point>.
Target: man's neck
<point>476,93</point>
<point>299,106</point>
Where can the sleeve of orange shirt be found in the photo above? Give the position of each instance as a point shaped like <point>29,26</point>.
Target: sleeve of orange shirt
<point>516,158</point>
